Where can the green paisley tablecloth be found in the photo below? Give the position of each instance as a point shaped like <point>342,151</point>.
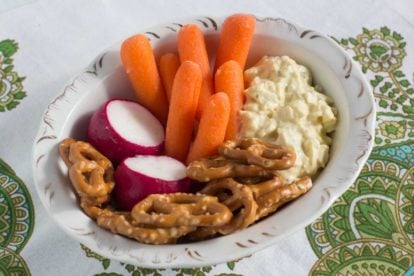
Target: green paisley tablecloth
<point>368,231</point>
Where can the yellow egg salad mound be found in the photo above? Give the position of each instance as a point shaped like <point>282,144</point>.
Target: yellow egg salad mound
<point>282,107</point>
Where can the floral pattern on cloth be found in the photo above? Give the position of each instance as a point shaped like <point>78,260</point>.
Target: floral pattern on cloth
<point>16,221</point>
<point>370,229</point>
<point>11,84</point>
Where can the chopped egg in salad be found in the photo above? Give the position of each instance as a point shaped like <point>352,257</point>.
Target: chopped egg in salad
<point>282,107</point>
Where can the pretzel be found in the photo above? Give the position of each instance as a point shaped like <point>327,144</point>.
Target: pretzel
<point>64,148</point>
<point>270,202</point>
<point>181,209</point>
<point>124,224</point>
<point>241,198</point>
<point>93,207</point>
<point>264,187</point>
<point>90,172</point>
<point>208,169</point>
<point>257,152</point>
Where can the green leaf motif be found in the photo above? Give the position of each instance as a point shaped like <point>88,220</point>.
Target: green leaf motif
<point>230,265</point>
<point>344,42</point>
<point>365,31</point>
<point>408,109</point>
<point>384,89</point>
<point>129,268</point>
<point>401,99</point>
<point>206,268</point>
<point>385,31</point>
<point>378,140</point>
<point>11,105</point>
<point>383,103</point>
<point>377,50</point>
<point>8,47</point>
<point>353,41</point>
<point>106,263</point>
<point>398,74</point>
<point>8,69</point>
<point>364,69</point>
<point>396,36</point>
<point>402,45</point>
<point>404,83</point>
<point>20,95</point>
<point>375,219</point>
<point>394,107</point>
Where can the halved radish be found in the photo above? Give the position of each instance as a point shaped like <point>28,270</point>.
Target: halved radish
<point>143,175</point>
<point>123,128</point>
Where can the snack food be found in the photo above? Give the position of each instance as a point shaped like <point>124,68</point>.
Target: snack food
<point>246,176</point>
<point>283,108</point>
<point>140,65</point>
<point>94,193</point>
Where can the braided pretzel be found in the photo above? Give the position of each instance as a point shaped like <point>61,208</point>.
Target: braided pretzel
<point>89,179</point>
<point>181,209</point>
<point>257,152</point>
<point>270,202</point>
<point>90,172</point>
<point>72,151</point>
<point>124,224</point>
<point>208,169</point>
<point>241,198</point>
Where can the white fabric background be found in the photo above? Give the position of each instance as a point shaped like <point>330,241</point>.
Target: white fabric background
<point>59,38</point>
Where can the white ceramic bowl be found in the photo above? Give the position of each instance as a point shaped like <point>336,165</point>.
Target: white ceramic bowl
<point>68,114</point>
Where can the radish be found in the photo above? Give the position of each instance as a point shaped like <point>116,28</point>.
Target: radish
<point>123,128</point>
<point>140,176</point>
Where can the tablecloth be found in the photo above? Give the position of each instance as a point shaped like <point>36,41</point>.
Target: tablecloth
<point>367,231</point>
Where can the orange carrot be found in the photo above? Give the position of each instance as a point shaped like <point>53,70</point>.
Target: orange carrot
<point>235,38</point>
<point>191,46</point>
<point>168,66</point>
<point>229,79</point>
<point>139,63</point>
<point>212,127</point>
<point>183,107</point>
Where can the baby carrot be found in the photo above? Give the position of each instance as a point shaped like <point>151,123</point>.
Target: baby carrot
<point>183,107</point>
<point>235,38</point>
<point>168,66</point>
<point>139,63</point>
<point>229,79</point>
<point>191,46</point>
<point>212,127</point>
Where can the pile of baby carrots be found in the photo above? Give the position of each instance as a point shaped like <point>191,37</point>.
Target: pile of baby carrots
<point>198,106</point>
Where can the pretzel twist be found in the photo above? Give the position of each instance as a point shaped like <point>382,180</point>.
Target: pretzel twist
<point>240,199</point>
<point>90,173</point>
<point>269,202</point>
<point>208,169</point>
<point>181,209</point>
<point>257,152</point>
<point>124,224</point>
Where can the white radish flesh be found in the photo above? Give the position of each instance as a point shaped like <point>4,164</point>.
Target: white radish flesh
<point>123,128</point>
<point>140,176</point>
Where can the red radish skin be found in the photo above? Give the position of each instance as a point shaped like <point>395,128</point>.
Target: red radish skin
<point>140,176</point>
<point>105,131</point>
